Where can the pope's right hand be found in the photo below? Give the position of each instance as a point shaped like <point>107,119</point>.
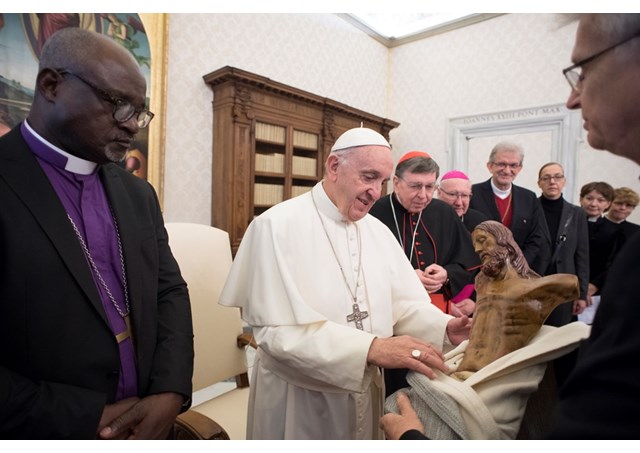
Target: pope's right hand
<point>398,352</point>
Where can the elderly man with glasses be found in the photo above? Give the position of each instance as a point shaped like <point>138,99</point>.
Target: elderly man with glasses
<point>431,235</point>
<point>96,319</point>
<point>600,397</point>
<point>455,190</point>
<point>515,207</point>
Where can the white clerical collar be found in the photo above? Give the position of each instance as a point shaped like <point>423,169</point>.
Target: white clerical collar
<point>502,194</point>
<point>593,218</point>
<point>324,203</point>
<point>74,164</point>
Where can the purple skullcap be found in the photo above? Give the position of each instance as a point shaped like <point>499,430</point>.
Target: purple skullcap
<point>454,174</point>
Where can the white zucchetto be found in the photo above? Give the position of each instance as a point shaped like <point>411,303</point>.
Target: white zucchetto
<point>359,136</point>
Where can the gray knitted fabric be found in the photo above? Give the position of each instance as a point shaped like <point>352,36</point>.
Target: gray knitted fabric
<point>438,412</point>
<point>492,400</point>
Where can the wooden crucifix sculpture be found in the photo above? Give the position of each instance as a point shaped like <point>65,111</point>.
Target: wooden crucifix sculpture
<point>512,301</point>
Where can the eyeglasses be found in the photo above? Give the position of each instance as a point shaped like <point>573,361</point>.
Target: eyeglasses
<point>574,77</point>
<point>503,165</point>
<point>624,203</point>
<point>123,110</point>
<point>547,178</point>
<point>455,195</point>
<point>417,187</point>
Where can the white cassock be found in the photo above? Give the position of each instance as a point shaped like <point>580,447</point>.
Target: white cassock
<point>310,378</point>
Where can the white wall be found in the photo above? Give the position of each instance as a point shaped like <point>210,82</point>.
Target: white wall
<point>509,62</point>
<point>319,53</point>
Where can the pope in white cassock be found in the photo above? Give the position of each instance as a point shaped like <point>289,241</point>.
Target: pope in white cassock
<point>332,299</point>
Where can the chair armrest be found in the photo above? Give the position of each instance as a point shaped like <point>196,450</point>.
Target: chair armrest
<point>192,425</point>
<point>245,339</point>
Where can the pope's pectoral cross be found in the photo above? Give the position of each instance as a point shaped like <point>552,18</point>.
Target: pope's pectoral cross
<point>357,316</point>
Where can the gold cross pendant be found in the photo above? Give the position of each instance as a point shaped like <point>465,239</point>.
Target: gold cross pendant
<point>125,333</point>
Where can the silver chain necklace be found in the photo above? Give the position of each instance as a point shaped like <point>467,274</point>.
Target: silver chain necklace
<point>85,249</point>
<point>415,230</point>
<point>357,316</point>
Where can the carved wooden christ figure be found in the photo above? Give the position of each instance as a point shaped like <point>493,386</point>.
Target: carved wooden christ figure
<point>512,300</point>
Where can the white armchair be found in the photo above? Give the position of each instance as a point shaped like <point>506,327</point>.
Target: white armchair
<point>204,256</point>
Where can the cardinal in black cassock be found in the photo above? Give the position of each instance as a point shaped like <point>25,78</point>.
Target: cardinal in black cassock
<point>430,233</point>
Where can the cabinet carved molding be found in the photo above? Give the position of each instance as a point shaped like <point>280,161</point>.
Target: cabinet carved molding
<point>270,142</point>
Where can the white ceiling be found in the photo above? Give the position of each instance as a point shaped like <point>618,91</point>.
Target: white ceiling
<point>400,25</point>
<point>394,29</point>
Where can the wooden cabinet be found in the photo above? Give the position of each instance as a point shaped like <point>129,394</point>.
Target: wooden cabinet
<point>270,142</point>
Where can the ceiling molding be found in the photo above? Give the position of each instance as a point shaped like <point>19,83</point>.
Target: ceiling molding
<point>427,32</point>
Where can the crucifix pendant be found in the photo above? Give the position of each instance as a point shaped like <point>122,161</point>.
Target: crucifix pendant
<point>357,316</point>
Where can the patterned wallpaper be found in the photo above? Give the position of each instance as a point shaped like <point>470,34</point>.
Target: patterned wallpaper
<point>319,53</point>
<point>509,62</point>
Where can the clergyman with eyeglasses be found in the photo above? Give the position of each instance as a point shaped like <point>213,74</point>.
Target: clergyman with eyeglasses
<point>455,190</point>
<point>515,207</point>
<point>434,240</point>
<point>432,237</point>
<point>96,319</point>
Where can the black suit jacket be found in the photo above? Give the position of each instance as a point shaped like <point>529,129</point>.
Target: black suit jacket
<point>472,219</point>
<point>571,256</point>
<point>629,229</point>
<point>527,225</point>
<point>600,397</point>
<point>59,363</point>
<point>606,238</point>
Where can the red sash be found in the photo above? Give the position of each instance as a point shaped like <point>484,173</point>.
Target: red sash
<point>441,302</point>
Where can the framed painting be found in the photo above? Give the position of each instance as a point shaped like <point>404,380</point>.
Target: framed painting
<point>157,28</point>
<point>22,37</point>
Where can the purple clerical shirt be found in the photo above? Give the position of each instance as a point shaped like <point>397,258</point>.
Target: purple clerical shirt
<point>78,185</point>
